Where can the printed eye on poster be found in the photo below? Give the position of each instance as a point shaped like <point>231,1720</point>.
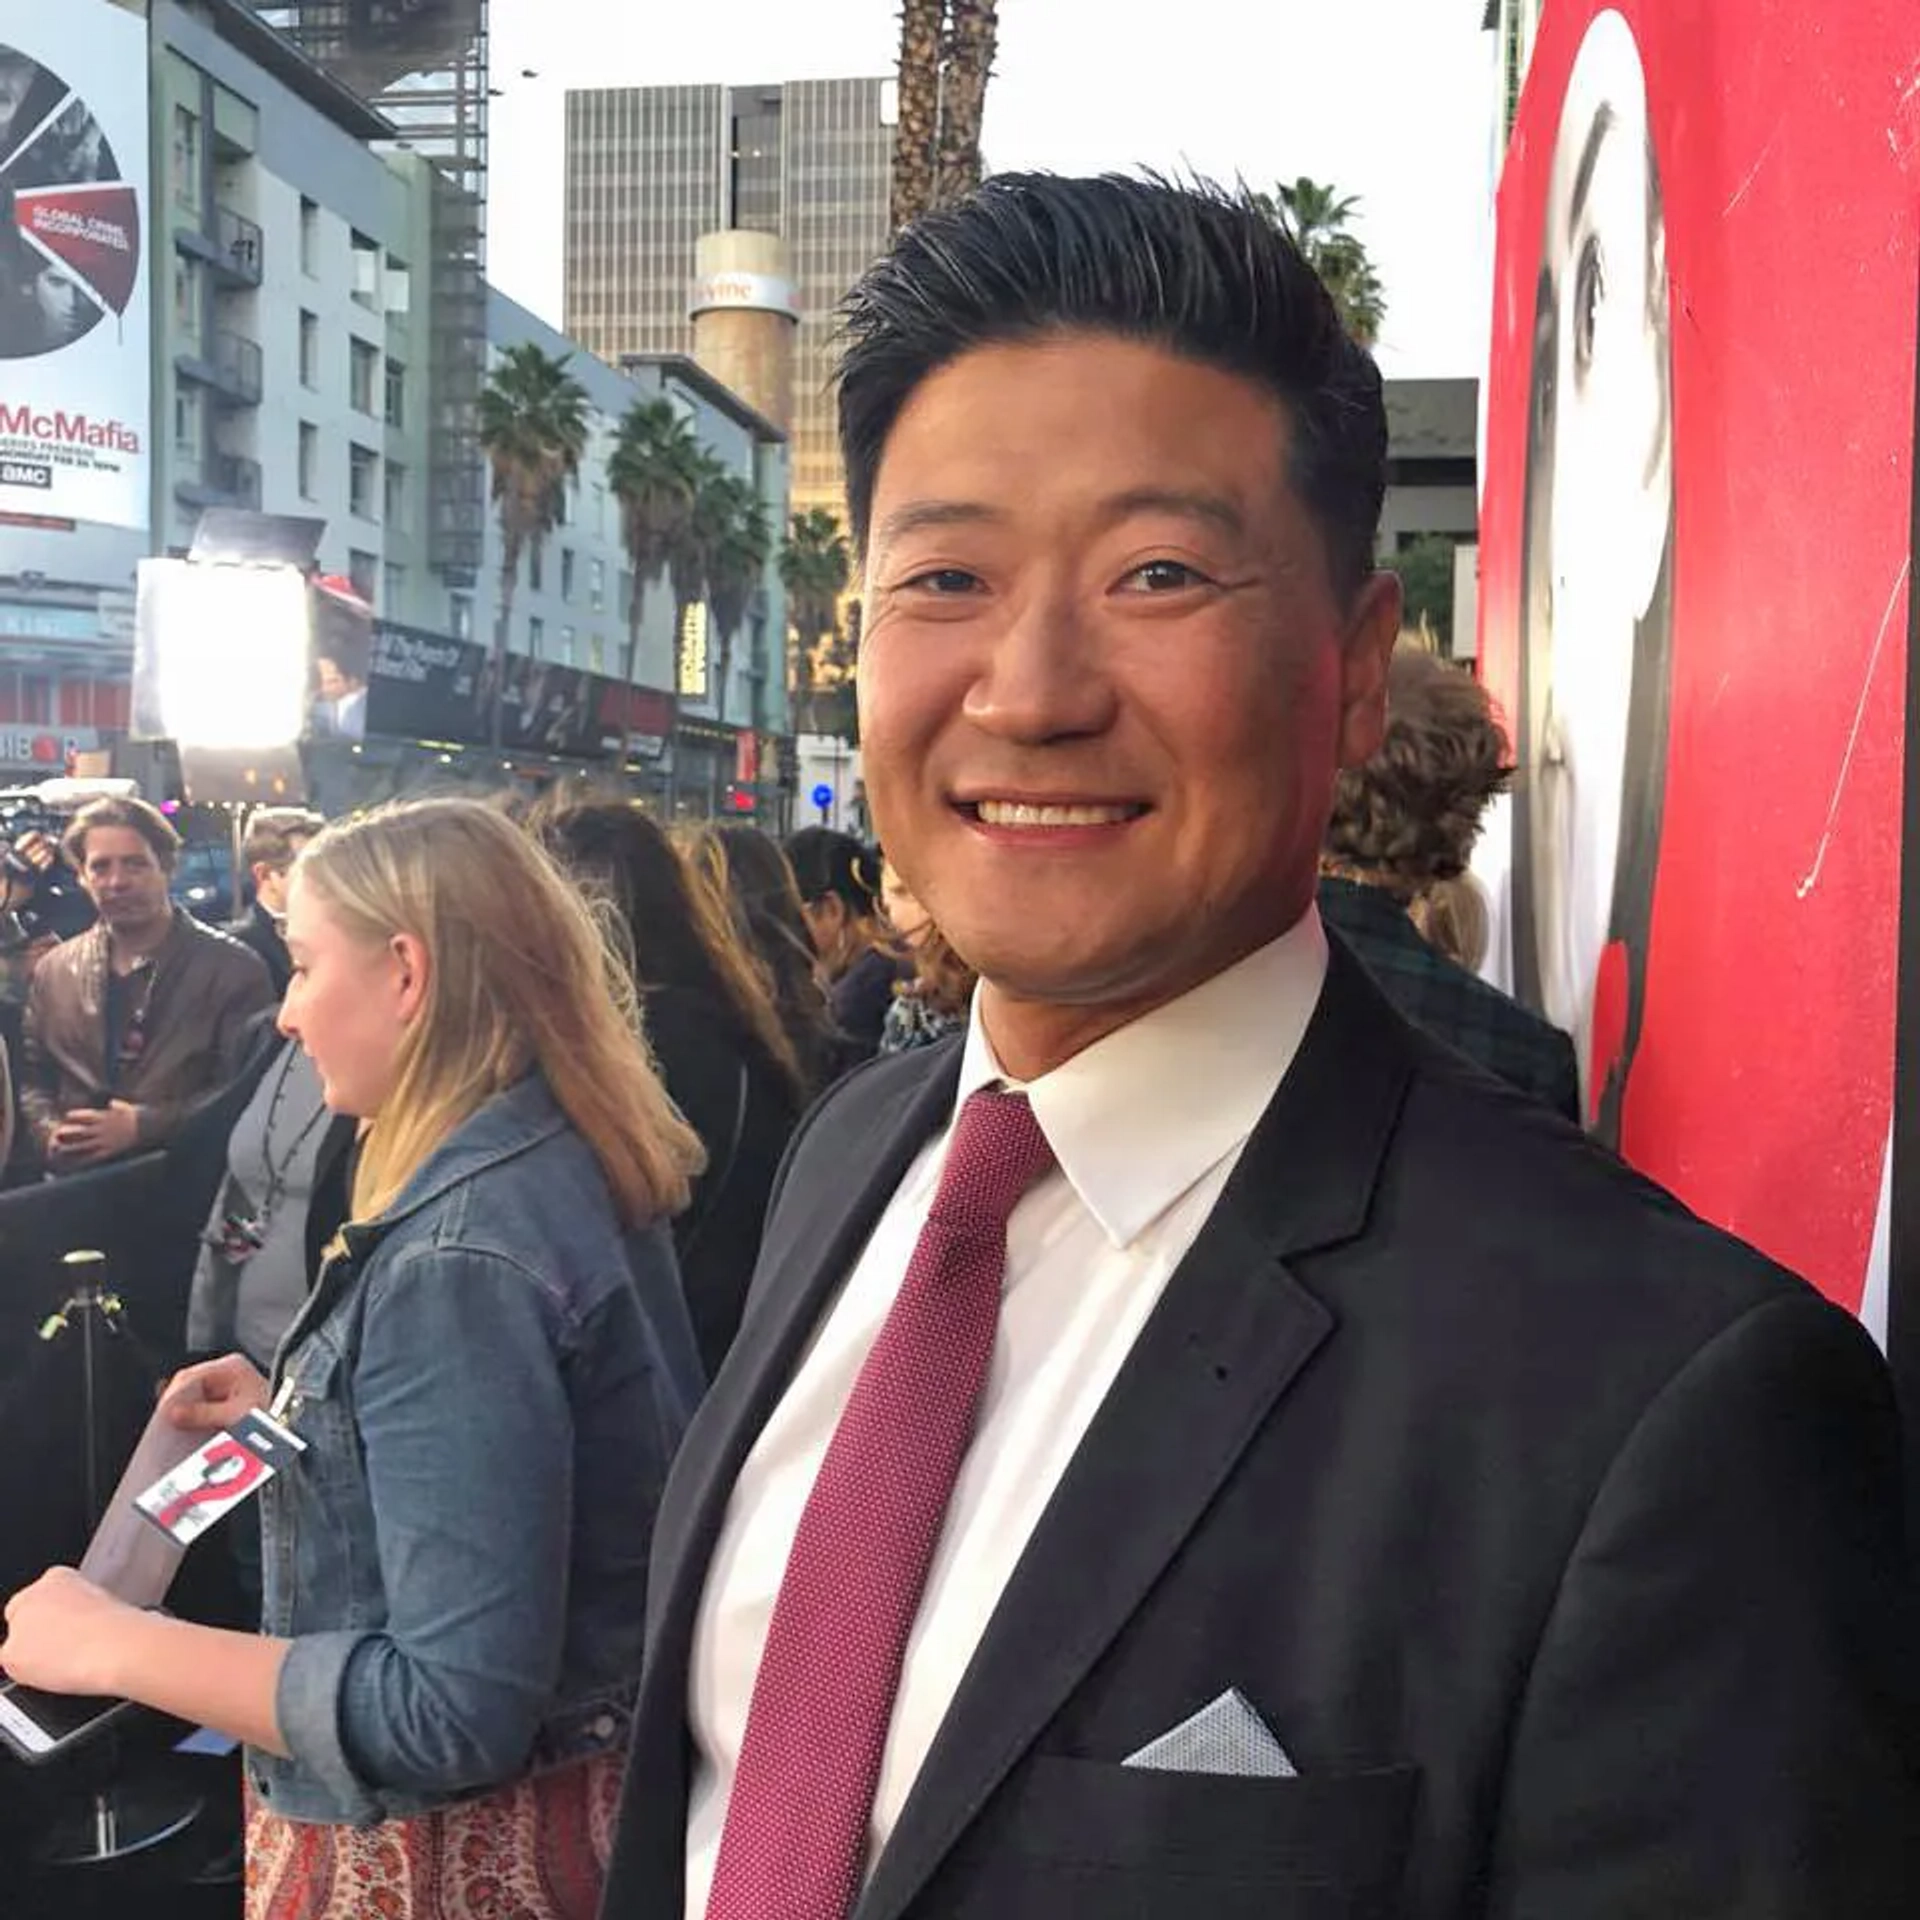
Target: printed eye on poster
<point>75,379</point>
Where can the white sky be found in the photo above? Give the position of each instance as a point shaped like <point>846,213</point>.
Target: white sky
<point>1391,100</point>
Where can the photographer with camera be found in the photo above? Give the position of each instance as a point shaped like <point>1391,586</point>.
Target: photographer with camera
<point>137,1021</point>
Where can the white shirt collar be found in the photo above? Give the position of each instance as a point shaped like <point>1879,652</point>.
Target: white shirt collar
<point>1135,1119</point>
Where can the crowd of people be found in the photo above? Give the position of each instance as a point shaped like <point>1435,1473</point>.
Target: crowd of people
<point>1074,1361</point>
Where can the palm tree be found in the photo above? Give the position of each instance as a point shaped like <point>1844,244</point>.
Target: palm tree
<point>690,562</point>
<point>916,133</point>
<point>653,474</point>
<point>1315,217</point>
<point>736,563</point>
<point>815,566</point>
<point>533,430</point>
<point>966,65</point>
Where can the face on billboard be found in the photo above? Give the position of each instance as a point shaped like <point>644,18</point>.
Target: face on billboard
<point>1596,571</point>
<point>69,238</point>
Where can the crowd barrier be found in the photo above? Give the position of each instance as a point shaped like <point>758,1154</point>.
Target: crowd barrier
<point>134,1215</point>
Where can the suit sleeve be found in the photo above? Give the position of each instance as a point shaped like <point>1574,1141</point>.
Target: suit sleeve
<point>1721,1720</point>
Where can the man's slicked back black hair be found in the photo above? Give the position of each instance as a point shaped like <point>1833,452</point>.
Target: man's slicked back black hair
<point>1194,269</point>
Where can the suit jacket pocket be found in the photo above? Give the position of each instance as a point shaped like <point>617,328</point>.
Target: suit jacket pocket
<point>1095,1839</point>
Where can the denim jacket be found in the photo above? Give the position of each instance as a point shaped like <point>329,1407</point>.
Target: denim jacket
<point>491,1381</point>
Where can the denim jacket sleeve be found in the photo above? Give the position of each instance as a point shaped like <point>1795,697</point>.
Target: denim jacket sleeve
<point>466,1428</point>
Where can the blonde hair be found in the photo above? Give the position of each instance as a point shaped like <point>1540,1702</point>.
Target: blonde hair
<point>519,979</point>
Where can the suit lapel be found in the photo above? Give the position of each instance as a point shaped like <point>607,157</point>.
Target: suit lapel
<point>1230,1336</point>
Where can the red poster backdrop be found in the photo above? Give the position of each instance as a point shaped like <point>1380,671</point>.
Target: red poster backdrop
<point>1695,561</point>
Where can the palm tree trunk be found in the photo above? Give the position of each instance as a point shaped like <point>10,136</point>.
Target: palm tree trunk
<point>723,656</point>
<point>502,626</point>
<point>635,606</point>
<point>966,66</point>
<point>917,125</point>
<point>680,606</point>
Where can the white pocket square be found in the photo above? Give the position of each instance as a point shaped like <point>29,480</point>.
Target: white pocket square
<point>1227,1737</point>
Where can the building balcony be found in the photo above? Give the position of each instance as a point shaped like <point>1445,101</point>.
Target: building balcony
<point>222,480</point>
<point>234,252</point>
<point>226,363</point>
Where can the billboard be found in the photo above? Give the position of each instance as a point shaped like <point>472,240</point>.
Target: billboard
<point>74,330</point>
<point>428,686</point>
<point>1695,563</point>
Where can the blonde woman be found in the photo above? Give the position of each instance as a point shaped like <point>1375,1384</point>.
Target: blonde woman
<point>490,1379</point>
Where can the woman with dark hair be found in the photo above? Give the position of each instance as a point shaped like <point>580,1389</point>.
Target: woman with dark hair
<point>839,881</point>
<point>750,876</point>
<point>726,1060</point>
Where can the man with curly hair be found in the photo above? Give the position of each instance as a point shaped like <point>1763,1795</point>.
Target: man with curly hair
<point>1402,830</point>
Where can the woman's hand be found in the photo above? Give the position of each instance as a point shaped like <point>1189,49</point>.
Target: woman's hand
<point>213,1395</point>
<point>64,1634</point>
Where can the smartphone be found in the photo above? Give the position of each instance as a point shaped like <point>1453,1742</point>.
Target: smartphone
<point>46,1726</point>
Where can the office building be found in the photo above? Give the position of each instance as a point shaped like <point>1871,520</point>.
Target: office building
<point>422,65</point>
<point>650,170</point>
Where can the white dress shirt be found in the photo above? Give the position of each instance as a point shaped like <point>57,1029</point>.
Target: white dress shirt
<point>1146,1126</point>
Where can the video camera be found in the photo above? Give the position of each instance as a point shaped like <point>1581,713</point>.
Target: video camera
<point>44,897</point>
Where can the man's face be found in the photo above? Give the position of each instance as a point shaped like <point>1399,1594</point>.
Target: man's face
<point>1604,370</point>
<point>270,882</point>
<point>123,879</point>
<point>1106,681</point>
<point>333,683</point>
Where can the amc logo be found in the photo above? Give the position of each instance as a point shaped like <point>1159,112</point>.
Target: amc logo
<point>26,473</point>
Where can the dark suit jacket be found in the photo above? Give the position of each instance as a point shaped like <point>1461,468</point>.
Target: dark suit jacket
<point>1555,1535</point>
<point>255,929</point>
<point>1445,1000</point>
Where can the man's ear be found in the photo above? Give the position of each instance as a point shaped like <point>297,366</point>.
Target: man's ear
<point>1366,647</point>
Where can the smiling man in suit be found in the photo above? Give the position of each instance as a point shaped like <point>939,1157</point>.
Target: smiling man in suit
<point>1196,1447</point>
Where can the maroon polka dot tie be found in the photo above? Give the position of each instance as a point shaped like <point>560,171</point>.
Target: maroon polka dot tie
<point>795,1839</point>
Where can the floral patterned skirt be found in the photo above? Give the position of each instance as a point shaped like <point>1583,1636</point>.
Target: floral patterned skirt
<point>536,1850</point>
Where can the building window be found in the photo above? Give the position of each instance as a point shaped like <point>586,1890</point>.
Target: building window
<point>597,654</point>
<point>186,422</point>
<point>599,515</point>
<point>309,238</point>
<point>309,460</point>
<point>394,495</point>
<point>186,302</point>
<point>536,567</point>
<point>310,350</point>
<point>536,634</point>
<point>597,585</point>
<point>361,365</point>
<point>363,468</point>
<point>396,394</point>
<point>565,654</point>
<point>566,573</point>
<point>460,615</point>
<point>393,588</point>
<point>363,569</point>
<point>365,283</point>
<point>186,161</point>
